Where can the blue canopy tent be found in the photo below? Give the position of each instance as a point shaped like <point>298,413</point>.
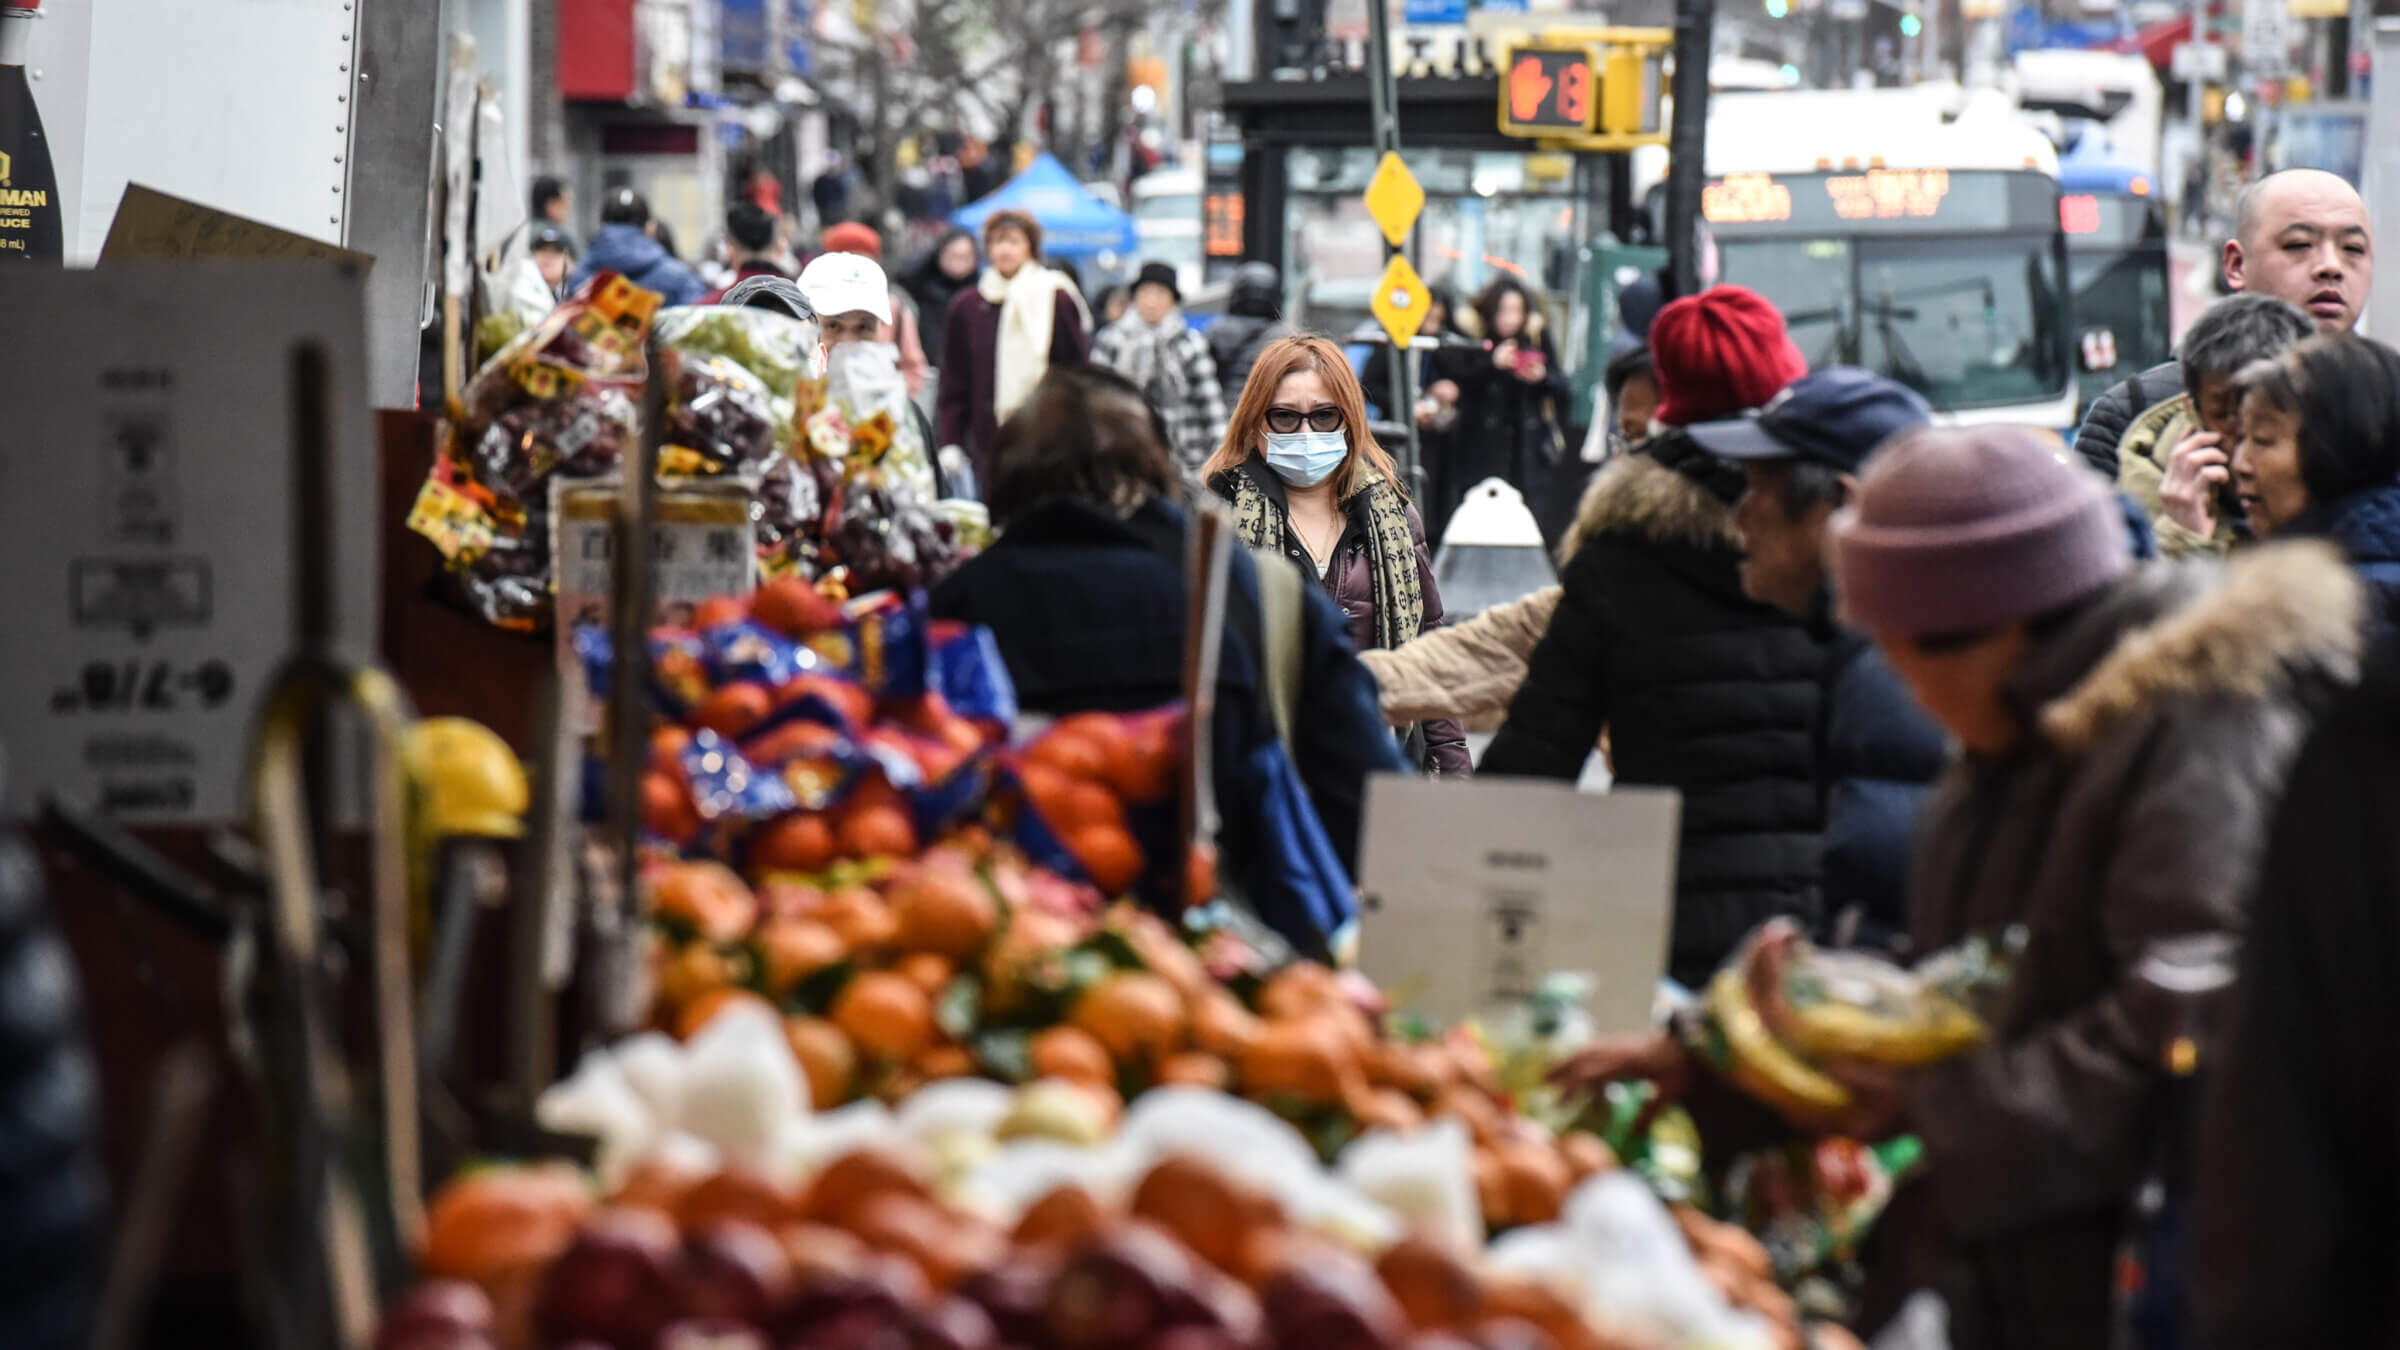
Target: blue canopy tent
<point>1075,224</point>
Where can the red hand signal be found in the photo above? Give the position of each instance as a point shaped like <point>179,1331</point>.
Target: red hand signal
<point>1528,85</point>
<point>1575,93</point>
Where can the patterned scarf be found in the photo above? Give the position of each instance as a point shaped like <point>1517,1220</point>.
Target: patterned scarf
<point>1260,519</point>
<point>1146,355</point>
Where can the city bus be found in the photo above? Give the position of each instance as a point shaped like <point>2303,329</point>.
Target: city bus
<point>1914,232</point>
<point>2116,230</point>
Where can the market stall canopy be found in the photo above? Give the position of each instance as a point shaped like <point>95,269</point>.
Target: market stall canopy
<point>1074,223</point>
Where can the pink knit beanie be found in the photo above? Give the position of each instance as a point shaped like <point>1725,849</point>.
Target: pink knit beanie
<point>1959,529</point>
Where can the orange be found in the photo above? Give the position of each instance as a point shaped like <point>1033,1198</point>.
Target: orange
<point>859,917</point>
<point>1198,1205</point>
<point>1066,1218</point>
<point>1386,1109</point>
<point>855,706</point>
<point>800,841</point>
<point>656,1183</point>
<point>1587,1154</point>
<point>1491,1188</point>
<point>1303,1059</point>
<point>929,971</point>
<point>1135,1015</point>
<point>667,810</point>
<point>886,1015</point>
<point>942,911</point>
<point>876,831</point>
<point>1029,944</point>
<point>1142,765</point>
<point>1075,755</point>
<point>720,610</point>
<point>1537,1178</point>
<point>707,896</point>
<point>1483,1117</point>
<point>945,1061</point>
<point>1434,1288</point>
<point>1221,1025</point>
<point>707,1008</point>
<point>1084,805</point>
<point>490,1224</point>
<point>849,1181</point>
<point>1163,953</point>
<point>1108,856</point>
<point>1066,1052</point>
<point>693,972</point>
<point>1300,989</point>
<point>827,1058</point>
<point>820,1252</point>
<point>793,608</point>
<point>666,747</point>
<point>791,950</point>
<point>792,740</point>
<point>1195,1068</point>
<point>735,710</point>
<point>1046,789</point>
<point>735,1193</point>
<point>1407,1067</point>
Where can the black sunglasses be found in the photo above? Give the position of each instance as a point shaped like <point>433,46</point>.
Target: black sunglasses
<point>1285,421</point>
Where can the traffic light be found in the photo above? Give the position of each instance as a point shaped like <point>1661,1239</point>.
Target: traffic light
<point>1911,25</point>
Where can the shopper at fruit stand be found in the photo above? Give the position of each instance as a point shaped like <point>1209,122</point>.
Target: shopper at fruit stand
<point>2295,1181</point>
<point>902,328</point>
<point>2124,731</point>
<point>2301,235</point>
<point>1876,752</point>
<point>1699,687</point>
<point>1153,347</point>
<point>751,241</point>
<point>1020,319</point>
<point>628,244</point>
<point>934,280</point>
<point>1512,399</point>
<point>2176,461</point>
<point>2320,453</point>
<point>1085,593</point>
<point>1307,480</point>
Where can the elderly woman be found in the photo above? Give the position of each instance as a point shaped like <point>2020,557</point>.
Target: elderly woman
<point>2320,451</point>
<point>2176,461</point>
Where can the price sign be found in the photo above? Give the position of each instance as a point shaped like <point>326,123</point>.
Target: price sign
<point>145,509</point>
<point>1549,90</point>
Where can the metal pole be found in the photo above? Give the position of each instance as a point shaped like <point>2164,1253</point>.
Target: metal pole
<point>1687,143</point>
<point>1386,99</point>
<point>2383,167</point>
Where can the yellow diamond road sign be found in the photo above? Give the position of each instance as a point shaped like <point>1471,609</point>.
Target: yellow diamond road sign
<point>1401,300</point>
<point>1394,198</point>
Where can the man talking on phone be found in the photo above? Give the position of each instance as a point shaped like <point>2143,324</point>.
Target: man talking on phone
<point>2177,458</point>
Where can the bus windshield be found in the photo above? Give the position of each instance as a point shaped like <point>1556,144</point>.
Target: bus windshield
<point>1968,321</point>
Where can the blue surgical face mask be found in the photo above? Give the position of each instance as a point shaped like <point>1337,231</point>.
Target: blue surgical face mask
<point>1306,458</point>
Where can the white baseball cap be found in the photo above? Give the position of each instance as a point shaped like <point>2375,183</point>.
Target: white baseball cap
<point>845,283</point>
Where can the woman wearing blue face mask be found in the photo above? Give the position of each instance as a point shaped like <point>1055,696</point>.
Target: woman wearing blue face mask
<point>1307,480</point>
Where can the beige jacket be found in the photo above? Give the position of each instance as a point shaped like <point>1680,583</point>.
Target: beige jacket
<point>1468,671</point>
<point>2142,470</point>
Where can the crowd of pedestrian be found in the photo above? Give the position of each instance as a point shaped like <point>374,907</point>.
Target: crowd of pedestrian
<point>1914,684</point>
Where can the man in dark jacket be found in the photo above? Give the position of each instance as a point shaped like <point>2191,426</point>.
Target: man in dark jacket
<point>2301,235</point>
<point>1876,752</point>
<point>1699,687</point>
<point>750,237</point>
<point>628,245</point>
<point>1252,319</point>
<point>2298,1173</point>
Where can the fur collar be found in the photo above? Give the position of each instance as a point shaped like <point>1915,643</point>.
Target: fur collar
<point>1469,322</point>
<point>2280,610</point>
<point>1637,494</point>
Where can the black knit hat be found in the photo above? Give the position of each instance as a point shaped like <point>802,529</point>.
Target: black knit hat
<point>1159,274</point>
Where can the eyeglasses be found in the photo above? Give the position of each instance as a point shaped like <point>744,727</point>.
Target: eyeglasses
<point>1285,421</point>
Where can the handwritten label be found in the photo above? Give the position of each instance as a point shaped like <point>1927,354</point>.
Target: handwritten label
<point>152,226</point>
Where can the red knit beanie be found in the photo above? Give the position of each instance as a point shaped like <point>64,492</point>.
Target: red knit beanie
<point>1720,353</point>
<point>853,237</point>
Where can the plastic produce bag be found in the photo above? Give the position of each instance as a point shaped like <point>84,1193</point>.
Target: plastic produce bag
<point>775,351</point>
<point>863,382</point>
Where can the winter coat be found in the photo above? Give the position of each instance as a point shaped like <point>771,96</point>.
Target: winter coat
<point>965,409</point>
<point>1506,429</point>
<point>642,260</point>
<point>2366,527</point>
<point>1350,581</point>
<point>53,1197</point>
<point>2162,717</point>
<point>2105,423</point>
<point>1467,671</point>
<point>934,289</point>
<point>1088,611</point>
<point>1188,399</point>
<point>2297,1174</point>
<point>1700,688</point>
<point>2142,471</point>
<point>1234,343</point>
<point>1877,756</point>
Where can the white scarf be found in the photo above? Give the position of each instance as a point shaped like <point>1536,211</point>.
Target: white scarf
<point>1021,350</point>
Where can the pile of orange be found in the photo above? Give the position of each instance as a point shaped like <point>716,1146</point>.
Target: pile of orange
<point>1081,775</point>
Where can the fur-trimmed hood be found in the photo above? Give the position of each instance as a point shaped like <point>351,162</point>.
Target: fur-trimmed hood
<point>1637,494</point>
<point>2273,616</point>
<point>1468,320</point>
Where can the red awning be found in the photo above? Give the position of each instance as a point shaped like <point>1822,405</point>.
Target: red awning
<point>2158,41</point>
<point>595,50</point>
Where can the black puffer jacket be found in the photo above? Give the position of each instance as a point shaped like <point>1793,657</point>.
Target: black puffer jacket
<point>2104,425</point>
<point>53,1206</point>
<point>1877,756</point>
<point>1700,689</point>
